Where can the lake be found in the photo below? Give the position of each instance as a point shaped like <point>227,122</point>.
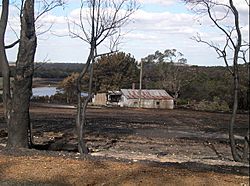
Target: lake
<point>49,91</point>
<point>44,91</point>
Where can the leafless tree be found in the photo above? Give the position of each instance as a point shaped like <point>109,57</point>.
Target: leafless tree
<point>99,21</point>
<point>232,51</point>
<point>172,72</point>
<point>16,99</point>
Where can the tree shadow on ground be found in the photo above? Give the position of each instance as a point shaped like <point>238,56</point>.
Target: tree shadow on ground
<point>57,180</point>
<point>202,167</point>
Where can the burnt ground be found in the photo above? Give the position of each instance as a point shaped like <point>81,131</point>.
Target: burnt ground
<point>167,139</point>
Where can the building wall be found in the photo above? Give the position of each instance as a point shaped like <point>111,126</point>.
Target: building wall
<point>100,99</point>
<point>147,103</point>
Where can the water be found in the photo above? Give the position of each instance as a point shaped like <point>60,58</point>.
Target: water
<point>44,91</point>
<point>49,91</point>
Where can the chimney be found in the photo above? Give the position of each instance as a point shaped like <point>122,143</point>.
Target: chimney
<point>133,86</point>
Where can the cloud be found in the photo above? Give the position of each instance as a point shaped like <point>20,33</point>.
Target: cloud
<point>158,2</point>
<point>155,26</point>
<point>148,31</point>
<point>52,19</point>
<point>154,20</point>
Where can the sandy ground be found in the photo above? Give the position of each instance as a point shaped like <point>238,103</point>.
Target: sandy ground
<point>128,147</point>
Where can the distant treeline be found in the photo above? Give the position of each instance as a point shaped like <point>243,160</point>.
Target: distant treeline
<point>188,84</point>
<point>198,84</point>
<point>53,70</point>
<point>56,70</point>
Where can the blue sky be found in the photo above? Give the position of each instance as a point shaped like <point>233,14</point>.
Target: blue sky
<point>157,25</point>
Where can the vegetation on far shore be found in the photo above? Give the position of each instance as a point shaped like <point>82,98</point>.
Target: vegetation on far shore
<point>203,88</point>
<point>200,87</point>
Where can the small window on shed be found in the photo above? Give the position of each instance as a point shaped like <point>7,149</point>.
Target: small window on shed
<point>157,103</point>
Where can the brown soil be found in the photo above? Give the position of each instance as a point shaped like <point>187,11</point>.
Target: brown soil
<point>128,147</point>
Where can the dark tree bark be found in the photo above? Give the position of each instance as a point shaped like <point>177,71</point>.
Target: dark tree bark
<point>81,106</point>
<point>16,102</point>
<point>22,88</point>
<point>236,83</point>
<point>3,60</point>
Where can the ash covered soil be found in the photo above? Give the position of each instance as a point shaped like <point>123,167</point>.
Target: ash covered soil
<point>127,147</point>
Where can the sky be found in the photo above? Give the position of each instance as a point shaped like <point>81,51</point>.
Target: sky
<point>156,25</point>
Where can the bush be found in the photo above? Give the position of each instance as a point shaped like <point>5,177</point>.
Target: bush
<point>215,105</point>
<point>182,101</point>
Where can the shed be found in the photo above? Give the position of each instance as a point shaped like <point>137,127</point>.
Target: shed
<point>110,98</point>
<point>149,98</point>
<point>100,99</point>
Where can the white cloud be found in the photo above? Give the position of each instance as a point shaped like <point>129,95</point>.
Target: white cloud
<point>158,2</point>
<point>138,35</point>
<point>52,19</point>
<point>161,21</point>
<point>149,31</point>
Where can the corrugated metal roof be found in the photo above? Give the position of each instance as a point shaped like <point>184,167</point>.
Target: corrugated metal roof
<point>146,94</point>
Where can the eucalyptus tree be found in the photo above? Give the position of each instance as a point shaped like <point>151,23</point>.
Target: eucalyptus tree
<point>115,72</point>
<point>226,18</point>
<point>16,99</point>
<point>168,70</point>
<point>99,21</point>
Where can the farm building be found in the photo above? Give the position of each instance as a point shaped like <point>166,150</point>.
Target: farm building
<point>100,99</point>
<point>110,98</point>
<point>149,99</point>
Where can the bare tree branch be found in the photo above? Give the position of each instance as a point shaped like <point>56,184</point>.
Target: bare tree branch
<point>233,44</point>
<point>47,6</point>
<point>12,44</point>
<point>102,20</point>
<point>13,31</point>
<point>247,2</point>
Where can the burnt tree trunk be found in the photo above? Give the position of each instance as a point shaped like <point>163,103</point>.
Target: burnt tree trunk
<point>18,128</point>
<point>233,119</point>
<point>81,107</point>
<point>237,47</point>
<point>3,60</point>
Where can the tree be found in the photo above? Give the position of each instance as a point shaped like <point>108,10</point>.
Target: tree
<point>16,106</point>
<point>68,86</point>
<point>115,71</point>
<point>4,61</point>
<point>104,21</point>
<point>233,50</point>
<point>171,71</point>
<point>167,71</point>
<point>16,99</point>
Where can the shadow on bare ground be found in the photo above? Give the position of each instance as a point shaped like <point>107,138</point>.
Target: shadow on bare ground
<point>147,137</point>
